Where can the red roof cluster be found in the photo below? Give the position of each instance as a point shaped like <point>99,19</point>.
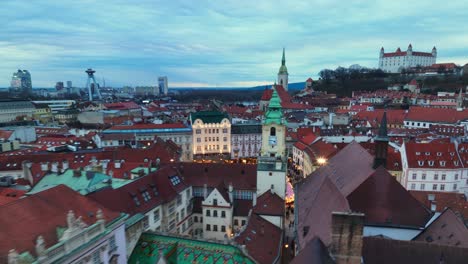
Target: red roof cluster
<point>122,106</point>
<point>24,220</point>
<point>432,155</point>
<point>436,115</point>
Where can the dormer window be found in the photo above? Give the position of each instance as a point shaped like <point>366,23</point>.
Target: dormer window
<point>452,153</point>
<point>439,154</point>
<point>431,163</point>
<point>455,162</point>
<point>428,153</point>
<point>442,163</point>
<point>418,153</point>
<point>420,162</point>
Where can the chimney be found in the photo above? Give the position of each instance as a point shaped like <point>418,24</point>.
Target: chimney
<point>231,192</point>
<point>54,167</point>
<point>347,235</point>
<point>65,165</point>
<point>45,166</point>
<point>254,199</point>
<point>205,191</point>
<point>77,173</point>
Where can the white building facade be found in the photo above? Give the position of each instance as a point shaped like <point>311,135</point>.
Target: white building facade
<point>211,134</point>
<point>246,140</point>
<point>396,61</point>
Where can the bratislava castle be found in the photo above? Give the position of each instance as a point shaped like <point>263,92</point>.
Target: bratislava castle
<point>399,60</point>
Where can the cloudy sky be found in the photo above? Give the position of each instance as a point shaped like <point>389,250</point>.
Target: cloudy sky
<point>216,43</point>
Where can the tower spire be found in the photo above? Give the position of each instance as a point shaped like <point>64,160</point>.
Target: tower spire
<point>283,60</point>
<point>381,144</point>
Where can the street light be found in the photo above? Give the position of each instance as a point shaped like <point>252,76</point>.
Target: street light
<point>321,161</point>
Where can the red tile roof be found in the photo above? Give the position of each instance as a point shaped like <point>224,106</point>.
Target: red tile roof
<point>269,204</point>
<point>5,134</point>
<point>448,229</point>
<point>24,220</point>
<point>385,201</point>
<point>432,155</point>
<point>262,240</point>
<point>122,199</point>
<point>377,250</point>
<point>149,126</point>
<point>436,115</point>
<point>442,200</point>
<point>8,195</point>
<point>394,117</point>
<point>122,106</point>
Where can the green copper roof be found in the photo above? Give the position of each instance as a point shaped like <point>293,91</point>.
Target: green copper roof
<point>209,117</point>
<point>151,247</point>
<point>274,113</point>
<point>85,183</point>
<point>283,69</point>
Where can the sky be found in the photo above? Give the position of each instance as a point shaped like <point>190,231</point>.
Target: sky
<point>224,43</point>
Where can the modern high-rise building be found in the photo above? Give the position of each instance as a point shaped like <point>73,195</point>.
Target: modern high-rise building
<point>162,81</point>
<point>21,83</point>
<point>59,86</point>
<point>69,87</point>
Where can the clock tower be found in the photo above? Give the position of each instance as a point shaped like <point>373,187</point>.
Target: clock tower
<point>271,166</point>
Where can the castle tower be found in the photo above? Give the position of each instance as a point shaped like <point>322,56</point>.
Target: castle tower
<point>409,51</point>
<point>271,167</point>
<point>283,73</point>
<point>381,144</point>
<point>434,52</point>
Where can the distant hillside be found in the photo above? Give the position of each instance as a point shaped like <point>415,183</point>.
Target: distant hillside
<point>291,86</point>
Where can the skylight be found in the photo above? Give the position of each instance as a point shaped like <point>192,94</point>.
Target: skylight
<point>174,180</point>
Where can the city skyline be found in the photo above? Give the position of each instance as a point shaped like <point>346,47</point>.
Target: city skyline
<point>211,44</point>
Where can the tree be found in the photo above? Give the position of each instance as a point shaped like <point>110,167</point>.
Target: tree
<point>326,75</point>
<point>441,69</point>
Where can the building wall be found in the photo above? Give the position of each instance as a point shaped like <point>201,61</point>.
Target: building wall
<point>214,220</point>
<point>395,63</point>
<point>245,145</point>
<point>211,138</point>
<point>266,180</point>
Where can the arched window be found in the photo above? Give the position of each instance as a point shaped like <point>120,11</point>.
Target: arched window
<point>273,131</point>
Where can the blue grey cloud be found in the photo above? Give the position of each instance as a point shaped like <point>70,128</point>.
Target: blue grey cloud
<point>216,43</point>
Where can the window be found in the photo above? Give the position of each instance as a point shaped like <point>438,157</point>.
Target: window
<point>223,228</point>
<point>224,147</point>
<point>198,140</point>
<point>155,190</point>
<point>145,222</point>
<point>243,222</point>
<point>208,227</point>
<point>413,186</point>
<point>171,208</point>
<point>208,213</point>
<point>206,139</point>
<point>197,131</point>
<point>112,244</point>
<point>97,257</point>
<point>217,130</point>
<point>414,176</point>
<point>174,180</point>
<point>223,214</point>
<point>137,202</point>
<point>198,148</point>
<point>224,139</point>
<point>209,131</point>
<point>455,187</point>
<point>215,202</point>
<point>436,177</point>
<point>456,176</point>
<point>434,187</point>
<point>443,177</point>
<point>424,176</point>
<point>423,186</point>
<point>195,219</point>
<point>215,228</point>
<point>225,130</point>
<point>273,131</point>
<point>146,196</point>
<point>201,219</point>
<point>156,215</point>
<point>179,199</point>
<point>442,187</point>
<point>236,222</point>
<point>215,213</point>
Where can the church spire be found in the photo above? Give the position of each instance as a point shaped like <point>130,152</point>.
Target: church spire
<point>381,144</point>
<point>283,60</point>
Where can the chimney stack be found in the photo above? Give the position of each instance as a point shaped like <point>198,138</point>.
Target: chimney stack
<point>205,191</point>
<point>347,235</point>
<point>254,199</point>
<point>231,192</point>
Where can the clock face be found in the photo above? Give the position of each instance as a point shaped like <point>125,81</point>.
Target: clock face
<point>272,140</point>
